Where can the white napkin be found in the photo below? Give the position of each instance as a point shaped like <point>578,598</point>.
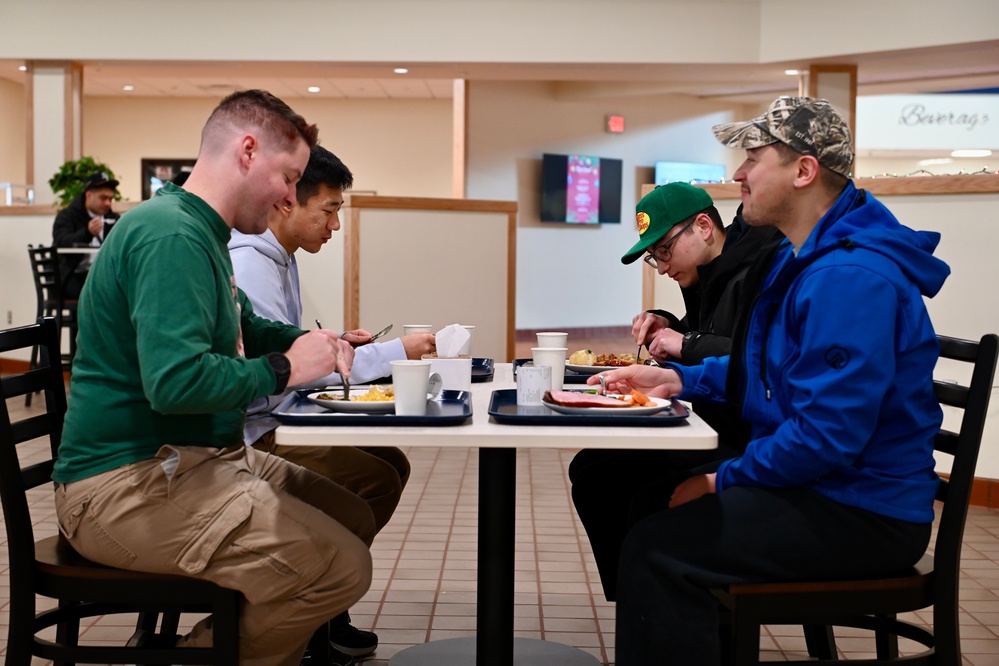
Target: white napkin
<point>450,340</point>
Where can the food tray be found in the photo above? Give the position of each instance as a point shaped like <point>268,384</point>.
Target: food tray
<point>482,370</point>
<point>570,376</point>
<point>450,408</point>
<point>503,408</point>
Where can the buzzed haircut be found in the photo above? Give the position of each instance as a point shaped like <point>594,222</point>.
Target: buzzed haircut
<point>324,168</point>
<point>260,109</point>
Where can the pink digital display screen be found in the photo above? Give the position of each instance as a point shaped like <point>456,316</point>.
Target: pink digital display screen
<point>582,190</point>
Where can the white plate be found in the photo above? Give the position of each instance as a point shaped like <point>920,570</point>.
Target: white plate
<point>352,405</point>
<point>592,369</point>
<point>661,404</point>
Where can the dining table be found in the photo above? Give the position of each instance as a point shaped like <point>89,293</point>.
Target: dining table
<point>497,442</point>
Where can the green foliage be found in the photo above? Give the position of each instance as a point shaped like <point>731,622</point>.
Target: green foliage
<point>67,183</point>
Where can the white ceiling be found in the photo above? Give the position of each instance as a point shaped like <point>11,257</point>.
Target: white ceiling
<point>938,69</point>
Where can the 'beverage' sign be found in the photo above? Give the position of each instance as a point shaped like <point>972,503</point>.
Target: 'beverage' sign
<point>927,122</point>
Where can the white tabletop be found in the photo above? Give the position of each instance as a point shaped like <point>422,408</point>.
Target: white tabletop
<point>482,431</point>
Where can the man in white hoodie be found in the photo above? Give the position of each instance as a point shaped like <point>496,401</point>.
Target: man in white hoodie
<point>267,272</point>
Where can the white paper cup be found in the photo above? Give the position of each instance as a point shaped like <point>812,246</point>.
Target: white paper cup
<point>554,358</point>
<point>409,380</point>
<point>532,382</point>
<point>456,373</point>
<point>552,339</point>
<point>417,328</point>
<point>466,349</point>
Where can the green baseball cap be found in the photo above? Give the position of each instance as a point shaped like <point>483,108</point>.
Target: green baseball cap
<point>662,209</point>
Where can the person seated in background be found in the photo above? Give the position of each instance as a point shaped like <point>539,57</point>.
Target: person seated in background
<point>267,271</point>
<point>719,271</point>
<point>833,371</point>
<point>85,221</point>
<point>152,474</point>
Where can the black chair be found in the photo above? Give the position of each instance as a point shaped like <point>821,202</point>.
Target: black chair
<point>51,301</point>
<point>875,604</point>
<point>51,568</point>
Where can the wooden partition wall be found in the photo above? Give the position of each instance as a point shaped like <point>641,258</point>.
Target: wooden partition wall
<point>727,198</point>
<point>411,260</point>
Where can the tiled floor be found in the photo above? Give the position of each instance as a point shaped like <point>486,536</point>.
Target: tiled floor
<point>424,583</point>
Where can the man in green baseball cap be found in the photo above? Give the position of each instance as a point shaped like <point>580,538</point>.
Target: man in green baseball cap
<point>680,232</point>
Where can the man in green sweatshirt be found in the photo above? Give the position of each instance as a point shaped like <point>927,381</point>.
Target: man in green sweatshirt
<point>152,472</point>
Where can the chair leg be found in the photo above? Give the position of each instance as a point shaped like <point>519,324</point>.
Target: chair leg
<point>67,633</point>
<point>31,366</point>
<point>745,640</point>
<point>820,641</point>
<point>886,643</point>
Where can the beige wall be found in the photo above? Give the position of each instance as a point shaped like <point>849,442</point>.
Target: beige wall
<point>567,275</point>
<point>398,147</point>
<point>12,129</point>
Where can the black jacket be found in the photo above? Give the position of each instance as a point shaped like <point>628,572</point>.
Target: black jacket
<point>70,230</point>
<point>716,306</point>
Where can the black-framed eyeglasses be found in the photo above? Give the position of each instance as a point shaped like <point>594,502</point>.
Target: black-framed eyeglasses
<point>664,252</point>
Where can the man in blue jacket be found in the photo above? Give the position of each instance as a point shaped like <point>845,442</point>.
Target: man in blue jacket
<point>834,374</point>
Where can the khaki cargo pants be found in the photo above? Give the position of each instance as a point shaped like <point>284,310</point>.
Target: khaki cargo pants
<point>290,540</point>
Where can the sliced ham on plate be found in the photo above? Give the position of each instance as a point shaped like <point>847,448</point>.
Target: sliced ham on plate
<point>576,399</point>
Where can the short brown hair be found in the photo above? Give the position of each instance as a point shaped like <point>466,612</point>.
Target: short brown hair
<point>829,179</point>
<point>261,109</point>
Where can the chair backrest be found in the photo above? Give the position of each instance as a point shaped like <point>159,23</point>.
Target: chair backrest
<point>963,446</point>
<point>23,469</point>
<point>48,279</point>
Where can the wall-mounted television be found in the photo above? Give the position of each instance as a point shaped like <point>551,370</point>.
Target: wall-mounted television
<point>580,189</point>
<point>689,172</point>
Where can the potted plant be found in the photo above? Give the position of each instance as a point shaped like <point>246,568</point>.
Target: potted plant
<point>67,183</point>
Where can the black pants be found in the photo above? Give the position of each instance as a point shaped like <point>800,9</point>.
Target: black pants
<point>612,490</point>
<point>666,613</point>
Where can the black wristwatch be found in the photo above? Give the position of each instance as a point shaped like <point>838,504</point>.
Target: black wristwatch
<point>688,338</point>
<point>282,370</point>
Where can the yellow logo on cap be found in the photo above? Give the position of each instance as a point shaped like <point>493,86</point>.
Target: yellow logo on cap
<point>643,222</point>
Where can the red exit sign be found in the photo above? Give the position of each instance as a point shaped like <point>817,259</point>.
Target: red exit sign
<point>615,124</point>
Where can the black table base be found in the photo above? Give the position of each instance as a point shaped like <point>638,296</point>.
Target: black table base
<point>494,643</point>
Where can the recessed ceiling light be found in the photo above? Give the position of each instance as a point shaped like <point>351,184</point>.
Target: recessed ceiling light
<point>401,70</point>
<point>934,161</point>
<point>22,68</point>
<point>313,89</point>
<point>128,87</point>
<point>971,153</point>
<point>792,72</point>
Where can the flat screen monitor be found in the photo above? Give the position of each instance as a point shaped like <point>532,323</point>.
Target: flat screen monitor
<point>580,189</point>
<point>689,172</point>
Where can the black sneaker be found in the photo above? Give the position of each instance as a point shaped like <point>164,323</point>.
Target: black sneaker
<point>348,639</point>
<point>334,658</point>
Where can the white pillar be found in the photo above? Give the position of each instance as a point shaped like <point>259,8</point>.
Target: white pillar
<point>54,91</point>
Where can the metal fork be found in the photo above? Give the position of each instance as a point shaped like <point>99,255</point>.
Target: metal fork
<point>343,380</point>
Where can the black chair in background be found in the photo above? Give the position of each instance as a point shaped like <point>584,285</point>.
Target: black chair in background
<point>51,301</point>
<point>875,604</point>
<point>51,568</point>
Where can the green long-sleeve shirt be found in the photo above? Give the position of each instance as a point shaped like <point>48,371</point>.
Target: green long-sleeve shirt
<point>168,350</point>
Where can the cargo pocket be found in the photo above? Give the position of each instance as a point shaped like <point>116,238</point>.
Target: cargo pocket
<point>70,510</point>
<point>220,526</point>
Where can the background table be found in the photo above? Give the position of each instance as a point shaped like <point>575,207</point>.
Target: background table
<point>494,644</point>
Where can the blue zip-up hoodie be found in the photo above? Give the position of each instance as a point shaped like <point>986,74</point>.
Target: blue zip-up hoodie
<point>836,378</point>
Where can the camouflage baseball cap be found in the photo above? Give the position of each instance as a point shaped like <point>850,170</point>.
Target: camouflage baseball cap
<point>807,125</point>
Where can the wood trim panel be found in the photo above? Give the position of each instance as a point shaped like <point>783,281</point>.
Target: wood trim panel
<point>459,139</point>
<point>29,122</point>
<point>964,184</point>
<point>352,269</point>
<point>511,286</point>
<point>429,203</point>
